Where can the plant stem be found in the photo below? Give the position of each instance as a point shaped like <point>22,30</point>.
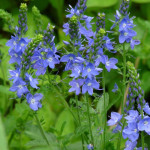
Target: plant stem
<point>124,78</point>
<point>105,112</point>
<point>41,129</point>
<point>77,105</point>
<point>124,91</point>
<point>89,119</point>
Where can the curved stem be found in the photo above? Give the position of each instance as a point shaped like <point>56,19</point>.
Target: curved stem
<point>77,105</point>
<point>41,129</point>
<point>124,91</point>
<point>89,119</point>
<point>105,112</point>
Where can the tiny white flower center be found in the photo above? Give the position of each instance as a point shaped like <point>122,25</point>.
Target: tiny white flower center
<point>77,84</point>
<point>107,63</point>
<point>22,44</point>
<point>20,86</point>
<point>125,34</point>
<point>14,43</point>
<point>39,57</point>
<point>50,59</point>
<point>89,84</point>
<point>16,55</point>
<point>32,101</point>
<point>124,25</point>
<point>145,122</point>
<point>30,78</point>
<point>135,130</point>
<point>17,74</point>
<point>71,58</point>
<point>89,70</point>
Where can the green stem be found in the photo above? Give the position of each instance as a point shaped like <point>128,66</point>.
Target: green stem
<point>77,105</point>
<point>41,129</point>
<point>89,119</point>
<point>124,90</point>
<point>124,78</point>
<point>105,112</point>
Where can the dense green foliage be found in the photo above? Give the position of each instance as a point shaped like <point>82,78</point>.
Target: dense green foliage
<point>18,126</point>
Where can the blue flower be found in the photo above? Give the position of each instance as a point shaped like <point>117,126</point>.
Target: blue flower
<point>41,68</point>
<point>108,44</point>
<point>33,82</point>
<point>69,59</point>
<point>126,36</point>
<point>76,85</point>
<point>21,46</point>
<point>15,57</point>
<point>144,125</point>
<point>130,145</point>
<point>109,63</point>
<point>115,88</point>
<point>90,71</point>
<point>89,85</point>
<point>115,118</point>
<point>134,42</point>
<point>76,70</point>
<point>131,131</point>
<point>37,57</point>
<point>20,87</point>
<point>34,100</point>
<point>12,43</point>
<point>133,116</point>
<point>51,60</point>
<point>147,108</point>
<point>90,147</point>
<point>14,74</point>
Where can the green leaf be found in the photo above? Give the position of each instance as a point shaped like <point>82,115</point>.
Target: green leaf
<point>65,116</point>
<point>146,81</point>
<point>58,5</point>
<point>3,139</point>
<point>100,105</point>
<point>101,3</point>
<point>141,1</point>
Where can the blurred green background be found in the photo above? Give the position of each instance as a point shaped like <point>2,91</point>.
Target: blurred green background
<point>53,114</point>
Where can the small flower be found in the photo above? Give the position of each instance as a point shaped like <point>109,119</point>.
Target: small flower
<point>90,71</point>
<point>131,131</point>
<point>20,87</point>
<point>130,145</point>
<point>51,60</point>
<point>90,147</point>
<point>115,88</point>
<point>89,85</point>
<point>133,116</point>
<point>76,85</point>
<point>33,82</point>
<point>109,63</point>
<point>115,118</point>
<point>14,74</point>
<point>147,108</point>
<point>34,100</point>
<point>144,125</point>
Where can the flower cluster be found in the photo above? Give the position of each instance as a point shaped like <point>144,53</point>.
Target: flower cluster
<point>31,58</point>
<point>137,112</point>
<point>125,24</point>
<point>85,60</point>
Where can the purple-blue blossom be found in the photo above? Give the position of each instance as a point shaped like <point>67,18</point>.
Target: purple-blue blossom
<point>75,86</point>
<point>34,100</point>
<point>89,85</point>
<point>115,118</point>
<point>33,82</point>
<point>20,87</point>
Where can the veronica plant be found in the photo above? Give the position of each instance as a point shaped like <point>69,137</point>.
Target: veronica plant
<point>87,59</point>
